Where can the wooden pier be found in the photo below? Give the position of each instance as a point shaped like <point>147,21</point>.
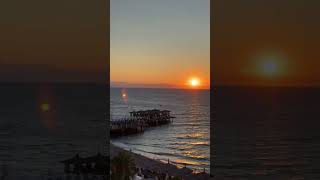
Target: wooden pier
<point>139,121</point>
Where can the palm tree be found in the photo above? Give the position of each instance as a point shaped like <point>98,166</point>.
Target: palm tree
<point>122,167</point>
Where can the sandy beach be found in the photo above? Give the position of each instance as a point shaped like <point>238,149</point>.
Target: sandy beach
<point>158,166</point>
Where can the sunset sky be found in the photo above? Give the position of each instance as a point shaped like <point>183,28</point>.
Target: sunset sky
<point>53,41</point>
<point>266,42</point>
<point>160,43</point>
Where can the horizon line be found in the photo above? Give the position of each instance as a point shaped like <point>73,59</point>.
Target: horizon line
<point>151,87</point>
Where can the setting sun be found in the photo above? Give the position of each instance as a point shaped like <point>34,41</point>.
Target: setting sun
<point>194,82</point>
<point>270,67</point>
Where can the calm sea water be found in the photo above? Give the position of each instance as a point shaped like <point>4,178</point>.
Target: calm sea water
<point>33,139</point>
<point>266,133</point>
<point>186,140</point>
<point>259,133</point>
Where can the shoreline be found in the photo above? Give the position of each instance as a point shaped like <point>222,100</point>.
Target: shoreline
<point>158,166</point>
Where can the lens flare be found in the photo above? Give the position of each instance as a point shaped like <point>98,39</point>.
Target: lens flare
<point>124,95</point>
<point>45,107</point>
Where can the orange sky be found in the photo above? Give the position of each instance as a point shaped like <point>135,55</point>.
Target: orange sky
<point>249,35</point>
<point>53,41</point>
<point>165,48</point>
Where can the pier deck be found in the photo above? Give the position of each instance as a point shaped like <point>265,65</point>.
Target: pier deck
<point>139,121</point>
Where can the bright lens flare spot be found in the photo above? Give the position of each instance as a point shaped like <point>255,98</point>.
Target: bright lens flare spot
<point>45,107</point>
<point>124,95</point>
<point>194,82</point>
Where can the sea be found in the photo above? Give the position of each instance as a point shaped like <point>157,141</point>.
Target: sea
<point>43,124</point>
<point>258,132</point>
<point>266,133</point>
<point>186,141</point>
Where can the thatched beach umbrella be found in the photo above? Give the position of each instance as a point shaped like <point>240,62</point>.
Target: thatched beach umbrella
<point>100,162</point>
<point>181,172</point>
<point>72,160</point>
<point>76,161</point>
